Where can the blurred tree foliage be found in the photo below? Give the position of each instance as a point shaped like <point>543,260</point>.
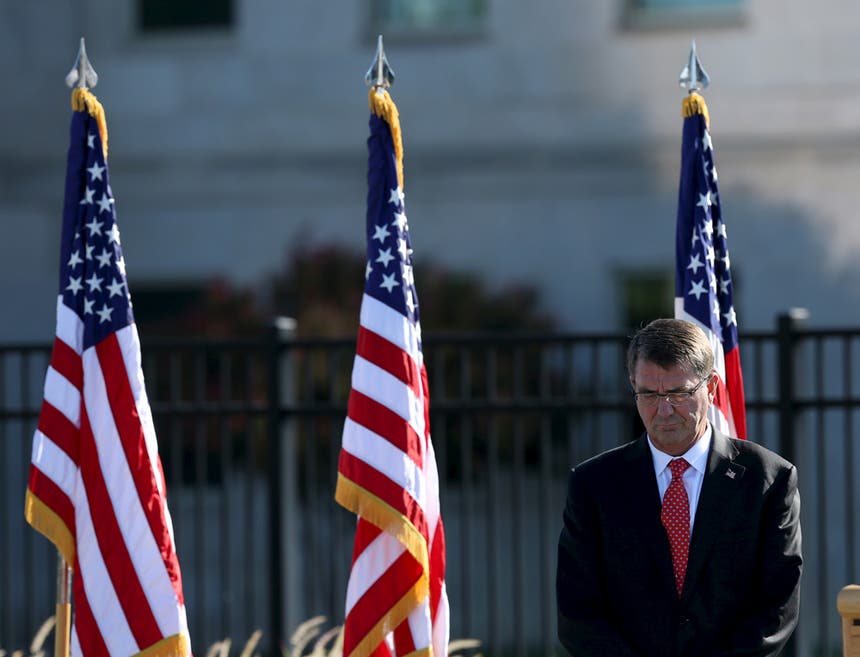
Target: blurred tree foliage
<point>321,289</point>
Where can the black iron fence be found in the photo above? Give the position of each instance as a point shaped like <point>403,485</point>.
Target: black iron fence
<point>249,434</point>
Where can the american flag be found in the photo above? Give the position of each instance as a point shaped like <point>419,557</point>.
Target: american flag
<point>96,486</point>
<point>703,277</point>
<point>396,603</point>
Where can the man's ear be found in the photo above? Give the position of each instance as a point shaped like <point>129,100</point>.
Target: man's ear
<point>712,384</point>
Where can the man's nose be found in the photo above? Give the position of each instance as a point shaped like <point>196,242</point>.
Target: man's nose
<point>664,407</point>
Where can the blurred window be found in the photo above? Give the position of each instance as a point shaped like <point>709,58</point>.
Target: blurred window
<point>429,17</point>
<point>684,13</point>
<point>645,294</point>
<point>174,15</point>
<point>684,4</point>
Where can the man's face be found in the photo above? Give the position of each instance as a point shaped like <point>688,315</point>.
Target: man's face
<point>673,425</point>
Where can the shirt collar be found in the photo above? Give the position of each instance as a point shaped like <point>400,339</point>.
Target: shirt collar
<point>696,456</point>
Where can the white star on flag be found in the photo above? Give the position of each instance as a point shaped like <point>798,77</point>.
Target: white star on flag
<point>104,313</point>
<point>384,257</point>
<point>389,282</point>
<point>397,196</point>
<point>94,282</point>
<point>695,263</point>
<point>74,285</point>
<point>709,255</point>
<point>96,171</point>
<point>698,289</point>
<point>95,228</point>
<point>115,288</point>
<point>104,258</point>
<point>381,232</point>
<point>104,203</point>
<point>403,249</point>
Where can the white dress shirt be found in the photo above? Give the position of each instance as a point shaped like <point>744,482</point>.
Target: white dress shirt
<point>697,457</point>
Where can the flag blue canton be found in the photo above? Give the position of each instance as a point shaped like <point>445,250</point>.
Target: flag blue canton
<point>703,270</point>
<point>388,276</point>
<point>92,269</point>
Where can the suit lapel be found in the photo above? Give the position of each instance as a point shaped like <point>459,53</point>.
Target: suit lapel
<point>645,509</point>
<point>718,489</point>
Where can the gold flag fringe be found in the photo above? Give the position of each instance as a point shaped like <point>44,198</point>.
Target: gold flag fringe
<point>172,646</point>
<point>354,498</point>
<point>695,104</point>
<point>383,106</point>
<point>45,521</point>
<point>372,509</point>
<point>83,100</point>
<point>398,613</point>
<point>421,652</point>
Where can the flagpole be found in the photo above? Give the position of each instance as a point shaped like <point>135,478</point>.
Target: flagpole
<point>81,76</point>
<point>62,629</point>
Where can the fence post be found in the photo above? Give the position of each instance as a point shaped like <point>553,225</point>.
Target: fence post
<point>787,326</point>
<point>280,481</point>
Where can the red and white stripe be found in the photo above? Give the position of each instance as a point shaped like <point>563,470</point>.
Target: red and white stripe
<point>726,408</point>
<point>96,477</point>
<point>396,602</point>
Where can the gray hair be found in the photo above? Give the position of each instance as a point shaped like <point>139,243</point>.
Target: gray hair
<point>669,343</point>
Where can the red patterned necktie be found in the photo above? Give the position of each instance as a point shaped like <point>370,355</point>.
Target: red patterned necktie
<point>676,519</point>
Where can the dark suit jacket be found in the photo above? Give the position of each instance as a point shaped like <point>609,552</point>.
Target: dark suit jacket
<point>615,589</point>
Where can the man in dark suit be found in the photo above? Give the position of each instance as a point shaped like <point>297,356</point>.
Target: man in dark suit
<point>684,542</point>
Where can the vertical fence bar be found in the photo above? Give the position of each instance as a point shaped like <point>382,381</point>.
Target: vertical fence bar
<point>545,505</point>
<point>517,537</point>
<point>787,326</point>
<point>276,602</point>
<point>5,523</point>
<point>847,392</point>
<point>286,596</point>
<point>466,466</point>
<point>197,420</point>
<point>758,368</point>
<point>225,451</point>
<point>493,647</point>
<point>29,596</point>
<point>518,506</point>
<point>594,383</point>
<point>823,606</point>
<point>246,503</point>
<point>571,393</point>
